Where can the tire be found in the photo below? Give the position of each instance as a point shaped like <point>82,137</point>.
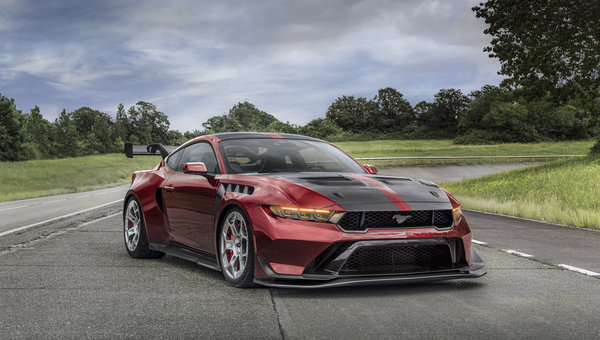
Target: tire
<point>236,249</point>
<point>134,232</point>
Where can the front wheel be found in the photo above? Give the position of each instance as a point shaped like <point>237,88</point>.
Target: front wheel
<point>134,232</point>
<point>236,249</point>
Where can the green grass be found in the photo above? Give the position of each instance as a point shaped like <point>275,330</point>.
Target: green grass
<point>50,177</point>
<point>60,176</point>
<point>565,191</point>
<point>419,148</point>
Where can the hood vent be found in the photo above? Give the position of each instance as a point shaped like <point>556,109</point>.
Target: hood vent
<point>393,180</point>
<point>333,181</point>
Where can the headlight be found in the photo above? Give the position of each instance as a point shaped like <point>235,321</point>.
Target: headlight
<point>300,213</point>
<point>456,214</point>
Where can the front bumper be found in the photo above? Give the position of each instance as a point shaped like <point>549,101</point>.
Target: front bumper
<point>291,253</point>
<point>309,281</point>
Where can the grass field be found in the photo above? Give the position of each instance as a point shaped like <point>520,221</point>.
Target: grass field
<point>59,176</point>
<point>419,148</point>
<point>566,191</point>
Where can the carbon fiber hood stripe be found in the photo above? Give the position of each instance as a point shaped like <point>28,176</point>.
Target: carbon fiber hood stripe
<point>356,192</point>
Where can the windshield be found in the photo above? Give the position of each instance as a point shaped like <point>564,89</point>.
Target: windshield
<point>284,155</point>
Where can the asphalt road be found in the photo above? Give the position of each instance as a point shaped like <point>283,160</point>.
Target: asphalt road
<point>80,283</point>
<point>452,173</point>
<point>75,280</point>
<point>22,213</point>
<point>548,243</point>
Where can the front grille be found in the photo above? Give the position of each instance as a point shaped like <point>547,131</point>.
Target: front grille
<point>398,259</point>
<point>363,220</point>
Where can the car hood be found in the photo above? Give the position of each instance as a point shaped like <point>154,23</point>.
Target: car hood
<point>358,192</point>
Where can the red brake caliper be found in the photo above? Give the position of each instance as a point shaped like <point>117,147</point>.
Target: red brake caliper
<point>230,253</point>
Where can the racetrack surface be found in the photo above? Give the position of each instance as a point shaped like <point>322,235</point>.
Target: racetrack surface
<point>75,280</point>
<point>452,173</point>
<point>15,214</point>
<point>80,283</point>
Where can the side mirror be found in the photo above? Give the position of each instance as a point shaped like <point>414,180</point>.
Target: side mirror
<point>197,168</point>
<point>371,169</point>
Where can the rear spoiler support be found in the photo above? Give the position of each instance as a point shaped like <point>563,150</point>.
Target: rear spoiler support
<point>150,150</point>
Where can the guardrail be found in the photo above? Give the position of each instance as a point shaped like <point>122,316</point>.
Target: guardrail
<point>464,157</point>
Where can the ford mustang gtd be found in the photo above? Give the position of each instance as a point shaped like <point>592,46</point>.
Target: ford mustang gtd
<point>284,210</point>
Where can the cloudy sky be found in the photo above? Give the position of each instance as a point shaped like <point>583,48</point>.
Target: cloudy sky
<point>195,59</point>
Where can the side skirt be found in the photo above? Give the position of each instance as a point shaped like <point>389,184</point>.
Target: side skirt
<point>181,251</point>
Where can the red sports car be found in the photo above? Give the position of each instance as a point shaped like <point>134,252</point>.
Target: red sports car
<point>285,210</point>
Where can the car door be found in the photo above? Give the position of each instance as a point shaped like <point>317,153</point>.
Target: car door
<point>189,199</point>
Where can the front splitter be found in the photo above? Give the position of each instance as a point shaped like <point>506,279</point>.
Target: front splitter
<point>364,281</point>
<point>283,281</point>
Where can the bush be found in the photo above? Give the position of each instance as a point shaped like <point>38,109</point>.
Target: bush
<point>596,148</point>
<point>30,151</point>
<point>476,137</point>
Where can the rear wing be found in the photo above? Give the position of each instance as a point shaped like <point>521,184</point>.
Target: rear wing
<point>148,150</point>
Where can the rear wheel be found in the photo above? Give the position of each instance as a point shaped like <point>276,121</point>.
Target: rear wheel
<point>236,249</point>
<point>134,232</point>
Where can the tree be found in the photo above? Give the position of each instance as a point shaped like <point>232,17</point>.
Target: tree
<point>193,134</point>
<point>320,128</point>
<point>122,126</point>
<point>442,116</point>
<point>249,117</point>
<point>243,116</point>
<point>10,134</point>
<point>37,135</point>
<point>66,136</point>
<point>350,113</point>
<point>510,122</point>
<point>222,123</point>
<point>278,126</point>
<point>95,131</point>
<point>392,112</point>
<point>148,124</point>
<point>482,102</point>
<point>549,42</point>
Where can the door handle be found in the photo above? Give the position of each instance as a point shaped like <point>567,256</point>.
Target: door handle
<point>169,187</point>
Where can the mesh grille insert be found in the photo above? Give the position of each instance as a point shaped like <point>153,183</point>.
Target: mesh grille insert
<point>398,259</point>
<point>351,221</point>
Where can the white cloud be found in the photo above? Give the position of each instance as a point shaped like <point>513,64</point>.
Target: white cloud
<point>292,59</point>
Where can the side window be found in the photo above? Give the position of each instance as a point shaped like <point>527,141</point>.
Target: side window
<point>173,160</point>
<point>199,152</point>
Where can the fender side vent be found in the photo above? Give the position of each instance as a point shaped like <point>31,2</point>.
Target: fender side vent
<point>239,188</point>
<point>158,198</point>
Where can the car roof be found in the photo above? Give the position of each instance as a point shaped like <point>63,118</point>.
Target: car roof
<point>266,135</point>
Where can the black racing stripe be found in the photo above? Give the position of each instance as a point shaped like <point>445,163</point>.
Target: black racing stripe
<point>347,192</point>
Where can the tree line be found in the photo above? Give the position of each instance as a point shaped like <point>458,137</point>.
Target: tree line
<point>491,114</point>
<point>85,131</point>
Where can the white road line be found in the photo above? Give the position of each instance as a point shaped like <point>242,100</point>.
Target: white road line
<point>21,206</point>
<point>479,242</point>
<point>514,252</point>
<point>60,200</point>
<point>96,220</point>
<point>579,270</point>
<point>55,219</point>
